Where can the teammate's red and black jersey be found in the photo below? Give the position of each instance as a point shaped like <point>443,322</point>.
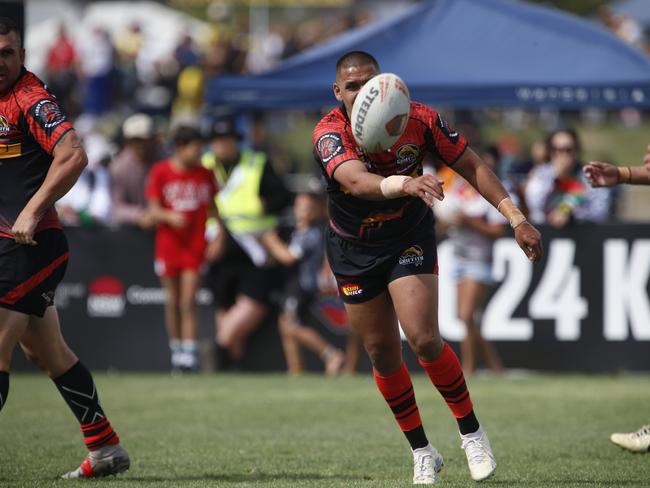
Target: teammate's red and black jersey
<point>31,124</point>
<point>378,222</point>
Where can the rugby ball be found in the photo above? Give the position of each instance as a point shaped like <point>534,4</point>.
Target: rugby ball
<point>380,112</point>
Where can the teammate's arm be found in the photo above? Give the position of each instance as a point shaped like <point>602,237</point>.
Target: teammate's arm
<point>361,183</point>
<point>161,215</point>
<point>481,177</point>
<point>69,161</point>
<point>216,234</point>
<point>604,174</point>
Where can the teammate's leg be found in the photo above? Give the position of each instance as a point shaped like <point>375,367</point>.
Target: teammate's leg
<point>293,330</point>
<point>43,344</point>
<point>416,302</point>
<point>189,285</point>
<point>171,285</point>
<point>12,327</point>
<point>375,323</point>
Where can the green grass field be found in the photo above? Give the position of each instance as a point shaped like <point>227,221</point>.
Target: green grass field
<point>273,431</point>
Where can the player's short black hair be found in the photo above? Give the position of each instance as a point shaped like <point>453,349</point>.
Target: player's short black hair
<point>185,134</point>
<point>356,58</point>
<point>7,26</point>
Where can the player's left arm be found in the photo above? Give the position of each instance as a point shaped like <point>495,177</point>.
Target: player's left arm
<point>67,165</point>
<point>480,176</point>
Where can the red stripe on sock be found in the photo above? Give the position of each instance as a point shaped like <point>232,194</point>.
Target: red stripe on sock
<point>99,434</point>
<point>394,389</point>
<point>446,375</point>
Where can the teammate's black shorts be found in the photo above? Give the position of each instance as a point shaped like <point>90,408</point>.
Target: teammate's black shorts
<point>29,275</point>
<point>363,272</point>
<point>236,274</point>
<point>297,301</point>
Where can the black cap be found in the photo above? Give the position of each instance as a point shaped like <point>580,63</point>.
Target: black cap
<point>225,128</point>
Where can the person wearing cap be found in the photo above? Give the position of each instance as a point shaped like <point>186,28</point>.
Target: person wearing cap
<point>129,170</point>
<point>250,197</point>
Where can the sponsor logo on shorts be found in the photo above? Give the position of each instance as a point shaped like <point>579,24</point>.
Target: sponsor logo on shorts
<point>414,255</point>
<point>48,114</point>
<point>351,290</point>
<point>48,297</point>
<point>407,154</point>
<point>329,145</point>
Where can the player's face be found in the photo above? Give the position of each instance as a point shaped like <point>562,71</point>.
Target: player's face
<point>190,154</point>
<point>349,81</point>
<point>12,57</point>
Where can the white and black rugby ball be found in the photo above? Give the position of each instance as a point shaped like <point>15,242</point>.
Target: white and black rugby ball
<point>380,112</point>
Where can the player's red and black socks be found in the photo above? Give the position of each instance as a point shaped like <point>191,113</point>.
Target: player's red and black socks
<point>78,390</point>
<point>397,390</point>
<point>4,388</point>
<point>447,376</point>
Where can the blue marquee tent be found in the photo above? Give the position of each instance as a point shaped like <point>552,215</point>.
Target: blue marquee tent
<point>464,53</point>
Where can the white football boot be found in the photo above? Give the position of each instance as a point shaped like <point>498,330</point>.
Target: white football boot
<point>427,465</point>
<point>480,459</point>
<point>108,460</point>
<point>638,441</point>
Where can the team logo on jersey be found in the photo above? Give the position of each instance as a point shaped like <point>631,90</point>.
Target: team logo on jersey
<point>48,114</point>
<point>5,128</point>
<point>329,145</point>
<point>407,154</point>
<point>447,130</point>
<point>414,255</point>
<point>351,290</point>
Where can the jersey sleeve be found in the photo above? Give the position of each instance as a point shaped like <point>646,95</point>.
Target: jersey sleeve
<point>445,142</point>
<point>46,120</point>
<point>332,146</point>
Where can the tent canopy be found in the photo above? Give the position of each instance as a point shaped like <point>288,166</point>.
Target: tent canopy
<point>464,53</point>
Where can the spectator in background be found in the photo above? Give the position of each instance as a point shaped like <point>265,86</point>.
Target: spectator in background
<point>89,201</point>
<point>60,66</point>
<point>97,60</point>
<point>128,45</point>
<point>181,197</point>
<point>304,259</point>
<point>472,225</point>
<point>250,198</point>
<point>186,53</point>
<point>557,193</point>
<point>129,169</point>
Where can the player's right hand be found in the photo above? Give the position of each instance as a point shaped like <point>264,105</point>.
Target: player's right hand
<point>427,187</point>
<point>529,240</point>
<point>24,227</point>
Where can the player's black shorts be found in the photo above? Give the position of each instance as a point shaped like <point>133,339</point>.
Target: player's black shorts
<point>363,272</point>
<point>29,275</point>
<point>236,274</point>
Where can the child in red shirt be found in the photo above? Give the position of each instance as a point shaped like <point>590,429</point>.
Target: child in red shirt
<point>181,198</point>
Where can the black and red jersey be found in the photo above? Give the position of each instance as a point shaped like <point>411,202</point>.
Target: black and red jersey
<point>31,124</point>
<point>378,222</point>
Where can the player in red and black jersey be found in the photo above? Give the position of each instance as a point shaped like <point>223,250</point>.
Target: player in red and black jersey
<point>40,159</point>
<point>382,249</point>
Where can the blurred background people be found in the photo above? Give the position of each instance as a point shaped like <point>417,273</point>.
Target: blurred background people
<point>250,198</point>
<point>181,197</point>
<point>129,169</point>
<point>303,257</point>
<point>472,225</point>
<point>557,192</point>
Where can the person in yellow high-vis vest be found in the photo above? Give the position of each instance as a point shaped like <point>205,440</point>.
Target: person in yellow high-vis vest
<point>250,197</point>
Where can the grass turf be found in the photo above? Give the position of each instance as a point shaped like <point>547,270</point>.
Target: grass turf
<point>273,431</point>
